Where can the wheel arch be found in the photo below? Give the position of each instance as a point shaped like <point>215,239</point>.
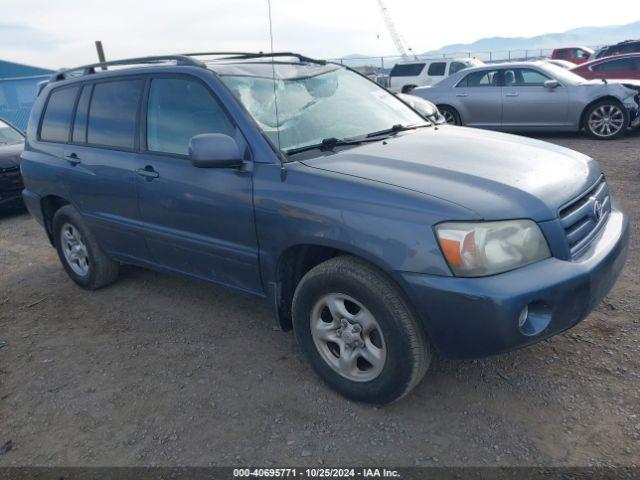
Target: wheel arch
<point>296,260</point>
<point>583,114</point>
<point>50,204</point>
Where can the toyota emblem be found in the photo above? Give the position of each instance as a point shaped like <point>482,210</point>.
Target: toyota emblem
<point>598,210</point>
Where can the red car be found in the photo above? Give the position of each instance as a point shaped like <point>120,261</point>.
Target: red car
<point>576,55</point>
<point>618,66</point>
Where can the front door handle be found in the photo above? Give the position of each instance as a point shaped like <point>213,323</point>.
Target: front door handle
<point>148,172</point>
<point>462,94</point>
<point>512,94</point>
<point>73,158</point>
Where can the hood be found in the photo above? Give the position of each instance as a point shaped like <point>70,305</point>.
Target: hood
<point>615,81</point>
<point>10,155</point>
<point>495,175</point>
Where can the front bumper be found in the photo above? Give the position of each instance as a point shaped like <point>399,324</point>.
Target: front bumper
<point>475,317</point>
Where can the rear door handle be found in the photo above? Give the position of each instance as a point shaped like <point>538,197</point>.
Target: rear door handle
<point>512,94</point>
<point>73,158</point>
<point>462,94</point>
<point>148,172</point>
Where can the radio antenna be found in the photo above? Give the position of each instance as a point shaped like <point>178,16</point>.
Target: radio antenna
<point>273,72</point>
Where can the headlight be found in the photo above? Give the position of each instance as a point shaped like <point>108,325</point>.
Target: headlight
<point>487,248</point>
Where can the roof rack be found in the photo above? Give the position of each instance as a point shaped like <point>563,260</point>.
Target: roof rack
<point>250,55</point>
<point>91,68</point>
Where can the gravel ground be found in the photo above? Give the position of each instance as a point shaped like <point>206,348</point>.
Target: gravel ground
<point>159,370</point>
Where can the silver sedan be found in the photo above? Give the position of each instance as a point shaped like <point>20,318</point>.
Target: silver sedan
<point>536,96</point>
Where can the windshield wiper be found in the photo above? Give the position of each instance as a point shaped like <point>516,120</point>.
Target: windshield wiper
<point>325,144</point>
<point>395,129</point>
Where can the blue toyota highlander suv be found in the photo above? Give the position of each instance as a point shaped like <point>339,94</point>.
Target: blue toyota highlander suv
<point>376,235</point>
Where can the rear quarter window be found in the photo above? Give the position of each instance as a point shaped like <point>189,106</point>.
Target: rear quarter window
<point>113,113</point>
<point>57,114</point>
<point>406,70</point>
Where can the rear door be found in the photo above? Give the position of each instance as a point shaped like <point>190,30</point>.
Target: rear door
<point>526,102</point>
<point>198,221</point>
<point>478,98</point>
<point>98,156</point>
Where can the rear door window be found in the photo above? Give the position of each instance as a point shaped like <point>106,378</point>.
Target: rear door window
<point>437,69</point>
<point>406,70</point>
<point>482,78</point>
<point>57,115</point>
<point>113,113</point>
<point>178,109</point>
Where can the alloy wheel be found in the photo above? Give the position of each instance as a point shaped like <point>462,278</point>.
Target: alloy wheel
<point>606,120</point>
<point>449,117</point>
<point>348,337</point>
<point>74,250</point>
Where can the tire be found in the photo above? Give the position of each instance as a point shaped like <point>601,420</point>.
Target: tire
<point>407,89</point>
<point>450,114</point>
<point>606,120</point>
<point>394,341</point>
<point>79,252</point>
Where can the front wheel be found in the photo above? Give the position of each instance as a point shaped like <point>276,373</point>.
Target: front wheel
<point>606,120</point>
<point>358,332</point>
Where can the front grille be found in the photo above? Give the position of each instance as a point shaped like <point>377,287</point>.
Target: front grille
<point>9,170</point>
<point>583,217</point>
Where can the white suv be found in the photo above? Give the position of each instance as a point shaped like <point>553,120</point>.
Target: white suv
<point>404,77</point>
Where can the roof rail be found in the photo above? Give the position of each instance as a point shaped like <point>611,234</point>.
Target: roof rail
<point>91,68</point>
<point>250,55</point>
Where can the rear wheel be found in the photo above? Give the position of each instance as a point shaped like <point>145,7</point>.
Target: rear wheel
<point>358,332</point>
<point>80,254</point>
<point>450,115</point>
<point>408,89</point>
<point>606,120</point>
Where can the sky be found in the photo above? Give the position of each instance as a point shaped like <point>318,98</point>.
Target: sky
<point>61,33</point>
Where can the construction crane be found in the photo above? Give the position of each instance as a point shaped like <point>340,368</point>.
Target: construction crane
<point>395,36</point>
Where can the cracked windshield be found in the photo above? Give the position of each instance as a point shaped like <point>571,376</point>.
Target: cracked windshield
<point>335,103</point>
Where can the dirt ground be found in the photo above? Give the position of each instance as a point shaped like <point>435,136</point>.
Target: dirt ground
<point>159,370</point>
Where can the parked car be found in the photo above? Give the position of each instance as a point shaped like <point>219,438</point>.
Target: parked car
<point>379,237</point>
<point>536,96</point>
<point>424,107</point>
<point>11,145</point>
<point>617,66</point>
<point>406,76</point>
<point>575,55</point>
<point>628,46</point>
<point>561,63</point>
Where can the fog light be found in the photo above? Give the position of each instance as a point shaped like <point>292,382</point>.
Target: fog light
<point>534,318</point>
<point>523,316</point>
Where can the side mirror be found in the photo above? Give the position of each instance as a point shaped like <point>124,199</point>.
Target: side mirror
<point>214,150</point>
<point>551,84</point>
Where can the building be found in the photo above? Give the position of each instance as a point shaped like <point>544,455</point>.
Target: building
<point>18,85</point>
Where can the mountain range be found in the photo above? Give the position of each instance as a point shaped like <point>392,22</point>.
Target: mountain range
<point>589,36</point>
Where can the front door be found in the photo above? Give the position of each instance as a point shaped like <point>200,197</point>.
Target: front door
<point>198,221</point>
<point>526,102</point>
